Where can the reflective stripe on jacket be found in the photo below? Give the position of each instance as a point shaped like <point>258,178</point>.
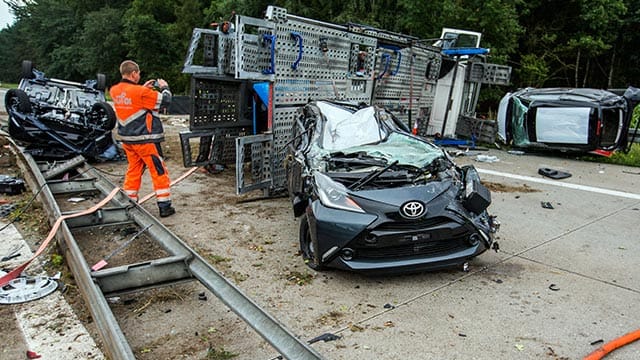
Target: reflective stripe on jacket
<point>137,112</point>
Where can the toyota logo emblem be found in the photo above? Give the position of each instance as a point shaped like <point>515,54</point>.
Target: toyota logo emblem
<point>412,209</point>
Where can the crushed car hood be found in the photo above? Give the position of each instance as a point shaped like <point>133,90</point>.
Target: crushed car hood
<point>398,195</point>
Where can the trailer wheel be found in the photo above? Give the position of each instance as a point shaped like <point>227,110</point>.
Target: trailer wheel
<point>18,101</point>
<point>27,69</point>
<point>102,116</point>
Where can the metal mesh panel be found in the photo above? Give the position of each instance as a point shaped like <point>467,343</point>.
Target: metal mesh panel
<point>260,161</point>
<point>489,73</point>
<point>210,47</point>
<point>209,147</point>
<point>284,118</point>
<point>254,51</point>
<point>323,68</point>
<point>216,103</point>
<point>253,164</point>
<point>255,55</point>
<point>226,55</point>
<point>404,88</point>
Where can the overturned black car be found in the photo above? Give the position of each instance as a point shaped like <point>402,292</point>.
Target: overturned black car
<point>374,198</point>
<point>58,119</point>
<point>568,119</point>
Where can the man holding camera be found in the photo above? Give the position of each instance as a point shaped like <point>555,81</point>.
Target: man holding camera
<point>140,130</point>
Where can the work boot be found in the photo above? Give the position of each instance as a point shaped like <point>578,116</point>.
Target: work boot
<point>167,211</point>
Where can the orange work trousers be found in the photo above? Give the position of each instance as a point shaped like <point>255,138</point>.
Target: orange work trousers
<point>139,157</point>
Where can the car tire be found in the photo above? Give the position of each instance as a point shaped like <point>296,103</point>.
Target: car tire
<point>101,82</point>
<point>307,248</point>
<point>27,69</point>
<point>17,100</point>
<point>102,115</point>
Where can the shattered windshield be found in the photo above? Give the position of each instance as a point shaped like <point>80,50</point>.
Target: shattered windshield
<point>359,134</point>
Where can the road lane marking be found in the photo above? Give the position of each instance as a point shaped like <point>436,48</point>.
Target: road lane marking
<point>562,184</point>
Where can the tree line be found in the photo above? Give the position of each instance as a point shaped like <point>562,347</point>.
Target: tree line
<point>572,43</point>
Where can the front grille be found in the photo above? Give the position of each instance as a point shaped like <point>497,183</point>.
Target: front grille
<point>402,224</point>
<point>438,236</point>
<point>431,248</point>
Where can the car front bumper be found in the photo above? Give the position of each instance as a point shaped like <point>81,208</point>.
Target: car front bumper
<point>362,243</point>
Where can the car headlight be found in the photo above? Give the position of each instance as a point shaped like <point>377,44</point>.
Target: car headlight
<point>333,194</point>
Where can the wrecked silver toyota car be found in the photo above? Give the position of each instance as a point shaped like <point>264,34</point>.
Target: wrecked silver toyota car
<point>581,120</point>
<point>374,198</point>
<point>60,119</point>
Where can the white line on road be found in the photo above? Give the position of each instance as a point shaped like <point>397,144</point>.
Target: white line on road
<point>562,184</point>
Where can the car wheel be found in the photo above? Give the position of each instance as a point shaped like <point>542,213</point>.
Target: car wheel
<point>102,116</point>
<point>101,82</point>
<point>307,249</point>
<point>18,101</point>
<point>27,69</point>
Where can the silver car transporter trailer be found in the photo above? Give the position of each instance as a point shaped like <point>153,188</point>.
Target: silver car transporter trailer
<point>250,76</point>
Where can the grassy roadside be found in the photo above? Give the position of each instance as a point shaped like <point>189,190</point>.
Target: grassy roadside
<point>632,158</point>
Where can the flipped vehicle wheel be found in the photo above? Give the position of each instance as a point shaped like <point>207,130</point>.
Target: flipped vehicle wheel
<point>101,82</point>
<point>27,69</point>
<point>307,249</point>
<point>18,101</point>
<point>102,116</point>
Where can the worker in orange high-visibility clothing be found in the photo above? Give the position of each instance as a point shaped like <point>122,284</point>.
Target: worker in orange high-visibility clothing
<point>140,130</point>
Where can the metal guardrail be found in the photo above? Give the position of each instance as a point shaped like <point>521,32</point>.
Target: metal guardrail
<point>182,264</point>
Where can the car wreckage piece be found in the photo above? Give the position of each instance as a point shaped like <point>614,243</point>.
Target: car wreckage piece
<point>567,119</point>
<point>59,119</point>
<point>374,198</point>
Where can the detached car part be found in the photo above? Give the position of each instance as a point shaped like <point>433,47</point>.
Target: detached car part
<point>60,119</point>
<point>374,198</point>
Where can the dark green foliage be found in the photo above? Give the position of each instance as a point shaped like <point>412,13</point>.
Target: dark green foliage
<point>574,43</point>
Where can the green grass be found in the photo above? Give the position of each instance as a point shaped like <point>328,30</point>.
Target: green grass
<point>8,85</point>
<point>632,158</point>
<point>220,354</point>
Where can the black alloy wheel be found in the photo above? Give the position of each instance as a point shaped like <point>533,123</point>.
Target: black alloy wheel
<point>101,116</point>
<point>18,101</point>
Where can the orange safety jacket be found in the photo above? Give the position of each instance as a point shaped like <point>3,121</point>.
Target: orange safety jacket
<point>137,109</point>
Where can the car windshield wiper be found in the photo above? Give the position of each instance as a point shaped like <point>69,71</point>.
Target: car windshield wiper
<point>357,159</point>
<point>372,176</point>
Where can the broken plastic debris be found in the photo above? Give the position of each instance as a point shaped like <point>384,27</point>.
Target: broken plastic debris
<point>324,337</point>
<point>554,287</point>
<point>388,306</point>
<point>76,199</point>
<point>553,174</point>
<point>519,347</point>
<point>546,205</point>
<point>599,341</point>
<point>487,158</point>
<point>33,355</point>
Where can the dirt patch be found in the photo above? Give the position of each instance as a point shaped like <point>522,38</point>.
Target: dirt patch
<point>497,187</point>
